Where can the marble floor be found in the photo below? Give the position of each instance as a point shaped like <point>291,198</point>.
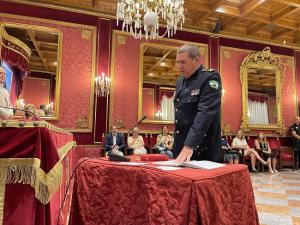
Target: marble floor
<point>277,197</point>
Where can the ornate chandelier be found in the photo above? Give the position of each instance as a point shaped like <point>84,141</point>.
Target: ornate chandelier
<point>138,15</point>
<point>103,85</point>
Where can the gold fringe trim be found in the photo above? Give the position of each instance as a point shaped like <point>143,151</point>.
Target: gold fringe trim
<point>42,123</point>
<point>2,194</point>
<point>28,171</point>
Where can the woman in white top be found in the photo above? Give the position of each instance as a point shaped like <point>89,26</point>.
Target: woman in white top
<point>136,142</point>
<point>240,143</point>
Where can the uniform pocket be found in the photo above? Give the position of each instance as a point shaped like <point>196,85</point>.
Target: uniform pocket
<point>190,99</point>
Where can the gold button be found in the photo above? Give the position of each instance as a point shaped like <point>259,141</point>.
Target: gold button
<point>188,100</point>
<point>176,110</point>
<point>177,131</point>
<point>177,99</point>
<point>176,121</point>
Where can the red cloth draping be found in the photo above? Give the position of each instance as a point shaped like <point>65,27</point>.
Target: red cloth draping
<point>110,193</point>
<point>154,157</point>
<point>167,93</point>
<point>35,142</point>
<point>258,98</point>
<point>14,58</point>
<point>20,203</point>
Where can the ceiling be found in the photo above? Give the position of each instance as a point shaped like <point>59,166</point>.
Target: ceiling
<point>261,80</point>
<point>43,46</point>
<point>275,21</point>
<point>159,65</point>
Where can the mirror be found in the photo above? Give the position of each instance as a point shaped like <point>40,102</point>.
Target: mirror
<point>261,76</point>
<point>32,64</point>
<point>158,76</point>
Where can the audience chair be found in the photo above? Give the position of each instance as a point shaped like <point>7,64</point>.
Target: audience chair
<point>286,157</point>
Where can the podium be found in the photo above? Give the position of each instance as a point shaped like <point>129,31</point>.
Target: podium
<point>35,166</point>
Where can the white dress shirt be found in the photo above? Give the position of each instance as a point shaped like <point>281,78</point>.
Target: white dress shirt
<point>5,102</point>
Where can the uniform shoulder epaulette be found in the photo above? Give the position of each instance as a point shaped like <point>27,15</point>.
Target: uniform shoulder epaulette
<point>208,70</point>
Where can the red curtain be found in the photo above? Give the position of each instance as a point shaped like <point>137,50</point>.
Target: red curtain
<point>14,58</point>
<point>258,98</point>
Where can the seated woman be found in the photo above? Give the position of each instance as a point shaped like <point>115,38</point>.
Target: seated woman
<point>136,142</point>
<point>230,155</point>
<point>262,144</point>
<point>240,143</point>
<point>164,142</point>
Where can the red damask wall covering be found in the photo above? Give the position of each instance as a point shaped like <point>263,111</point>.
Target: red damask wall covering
<point>77,70</point>
<point>31,87</point>
<point>230,61</point>
<point>126,74</point>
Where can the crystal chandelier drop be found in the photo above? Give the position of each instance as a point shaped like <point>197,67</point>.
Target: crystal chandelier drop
<point>102,85</point>
<point>138,15</point>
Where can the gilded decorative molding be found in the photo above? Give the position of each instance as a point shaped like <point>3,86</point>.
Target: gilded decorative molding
<point>227,129</point>
<point>202,51</point>
<point>82,122</point>
<point>119,124</point>
<point>121,39</point>
<point>262,60</point>
<point>226,54</point>
<point>86,34</point>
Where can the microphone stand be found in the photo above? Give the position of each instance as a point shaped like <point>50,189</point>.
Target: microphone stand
<point>115,157</point>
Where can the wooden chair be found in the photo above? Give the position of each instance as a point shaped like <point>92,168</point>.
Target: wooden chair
<point>286,157</point>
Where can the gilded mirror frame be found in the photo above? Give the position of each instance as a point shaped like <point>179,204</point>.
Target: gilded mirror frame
<point>262,60</point>
<point>203,51</point>
<point>59,34</point>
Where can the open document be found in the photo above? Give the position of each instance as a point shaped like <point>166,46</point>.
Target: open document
<point>192,164</point>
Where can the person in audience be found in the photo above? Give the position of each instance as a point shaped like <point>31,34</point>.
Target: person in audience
<point>5,113</point>
<point>230,155</point>
<point>239,143</point>
<point>164,142</point>
<point>114,142</point>
<point>136,142</point>
<point>44,108</point>
<point>295,131</point>
<point>262,144</point>
<point>197,104</point>
<point>30,112</point>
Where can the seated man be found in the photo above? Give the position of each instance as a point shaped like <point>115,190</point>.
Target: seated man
<point>5,113</point>
<point>164,142</point>
<point>114,142</point>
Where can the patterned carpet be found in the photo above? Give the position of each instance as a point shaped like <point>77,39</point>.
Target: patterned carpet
<point>277,197</point>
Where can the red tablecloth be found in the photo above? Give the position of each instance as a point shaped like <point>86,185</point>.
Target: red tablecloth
<point>110,193</point>
<point>35,163</point>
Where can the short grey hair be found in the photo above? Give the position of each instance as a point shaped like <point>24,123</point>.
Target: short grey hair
<point>192,50</point>
<point>135,130</point>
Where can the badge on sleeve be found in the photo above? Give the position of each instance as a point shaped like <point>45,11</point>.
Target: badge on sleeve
<point>214,84</point>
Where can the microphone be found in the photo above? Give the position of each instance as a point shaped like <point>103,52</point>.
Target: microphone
<point>115,157</point>
<point>142,119</point>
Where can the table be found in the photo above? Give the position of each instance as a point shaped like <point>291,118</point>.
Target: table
<point>110,193</point>
<point>35,162</point>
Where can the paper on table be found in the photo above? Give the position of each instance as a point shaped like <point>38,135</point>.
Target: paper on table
<point>167,163</point>
<point>132,163</point>
<point>204,164</point>
<point>168,168</point>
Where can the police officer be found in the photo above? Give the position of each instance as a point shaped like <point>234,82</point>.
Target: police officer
<point>197,104</point>
<point>295,130</point>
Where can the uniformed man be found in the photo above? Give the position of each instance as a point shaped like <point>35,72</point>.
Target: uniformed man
<point>295,130</point>
<point>197,109</point>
